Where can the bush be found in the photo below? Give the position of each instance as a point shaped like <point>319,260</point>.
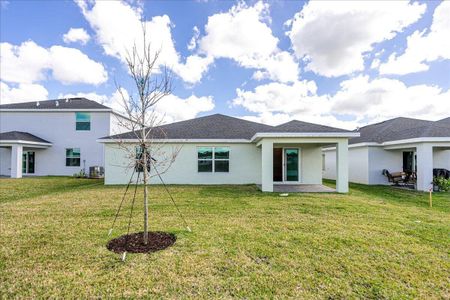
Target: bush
<point>442,183</point>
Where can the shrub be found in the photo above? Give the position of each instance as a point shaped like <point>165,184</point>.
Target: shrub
<point>442,183</point>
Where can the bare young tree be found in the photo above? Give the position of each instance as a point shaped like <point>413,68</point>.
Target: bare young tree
<point>152,83</point>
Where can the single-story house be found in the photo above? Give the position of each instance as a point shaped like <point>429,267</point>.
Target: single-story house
<point>219,149</point>
<point>396,145</point>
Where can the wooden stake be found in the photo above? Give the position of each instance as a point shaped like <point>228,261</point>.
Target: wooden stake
<point>431,198</point>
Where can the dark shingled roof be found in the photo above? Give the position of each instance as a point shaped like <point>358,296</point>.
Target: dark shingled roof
<point>223,127</point>
<point>299,126</point>
<point>21,136</point>
<point>69,103</point>
<point>401,129</point>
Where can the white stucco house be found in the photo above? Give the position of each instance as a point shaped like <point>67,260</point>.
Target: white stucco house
<point>400,144</point>
<point>53,137</point>
<point>219,149</point>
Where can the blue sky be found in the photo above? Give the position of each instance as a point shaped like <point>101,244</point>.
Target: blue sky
<point>342,64</point>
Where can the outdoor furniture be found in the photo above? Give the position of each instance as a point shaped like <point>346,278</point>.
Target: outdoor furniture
<point>400,178</point>
<point>441,173</point>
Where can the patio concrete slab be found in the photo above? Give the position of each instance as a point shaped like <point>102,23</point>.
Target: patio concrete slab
<point>301,188</point>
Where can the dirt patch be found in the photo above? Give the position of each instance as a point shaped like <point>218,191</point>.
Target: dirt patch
<point>134,242</point>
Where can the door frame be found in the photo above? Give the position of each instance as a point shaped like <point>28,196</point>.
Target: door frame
<point>284,181</point>
<point>26,153</point>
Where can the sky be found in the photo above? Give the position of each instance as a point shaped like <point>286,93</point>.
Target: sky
<point>338,63</point>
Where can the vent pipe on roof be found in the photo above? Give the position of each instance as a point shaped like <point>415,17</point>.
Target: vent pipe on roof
<point>37,103</point>
<point>57,103</point>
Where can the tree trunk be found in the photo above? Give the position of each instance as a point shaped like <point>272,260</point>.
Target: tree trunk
<point>145,200</point>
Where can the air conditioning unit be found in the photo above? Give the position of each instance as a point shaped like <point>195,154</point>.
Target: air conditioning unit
<point>96,172</point>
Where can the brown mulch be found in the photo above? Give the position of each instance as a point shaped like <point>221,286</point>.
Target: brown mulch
<point>134,242</point>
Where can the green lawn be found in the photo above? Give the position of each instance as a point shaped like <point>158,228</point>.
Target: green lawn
<point>375,242</point>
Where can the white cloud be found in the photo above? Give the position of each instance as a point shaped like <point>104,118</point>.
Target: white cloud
<point>76,35</point>
<point>30,63</point>
<point>23,64</point>
<point>70,65</point>
<point>21,93</point>
<point>389,98</point>
<point>173,108</point>
<point>193,42</point>
<point>333,36</point>
<point>91,96</point>
<point>114,101</point>
<point>118,26</point>
<point>275,103</point>
<point>422,46</point>
<point>358,102</point>
<point>243,35</point>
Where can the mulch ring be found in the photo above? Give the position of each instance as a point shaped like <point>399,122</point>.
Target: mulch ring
<point>134,242</point>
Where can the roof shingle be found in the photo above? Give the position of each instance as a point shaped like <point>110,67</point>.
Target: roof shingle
<point>69,103</point>
<point>21,136</point>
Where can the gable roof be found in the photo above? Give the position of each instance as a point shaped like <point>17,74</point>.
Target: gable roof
<point>402,129</point>
<point>21,136</point>
<point>57,104</point>
<point>219,126</point>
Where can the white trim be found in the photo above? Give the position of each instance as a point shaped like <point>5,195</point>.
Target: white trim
<point>203,141</point>
<point>54,109</point>
<point>396,142</point>
<point>417,140</point>
<point>24,142</point>
<point>259,135</point>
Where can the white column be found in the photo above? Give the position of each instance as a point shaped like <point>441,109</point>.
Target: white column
<point>424,166</point>
<point>267,166</point>
<point>16,161</point>
<point>342,166</point>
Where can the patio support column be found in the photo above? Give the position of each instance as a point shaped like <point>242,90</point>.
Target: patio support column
<point>267,166</point>
<point>16,161</point>
<point>424,166</point>
<point>342,166</point>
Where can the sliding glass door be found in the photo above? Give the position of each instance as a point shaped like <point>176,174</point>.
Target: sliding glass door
<point>291,164</point>
<point>28,162</point>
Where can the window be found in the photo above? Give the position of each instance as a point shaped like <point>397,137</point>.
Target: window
<point>213,158</point>
<point>138,166</point>
<point>83,121</point>
<point>73,157</point>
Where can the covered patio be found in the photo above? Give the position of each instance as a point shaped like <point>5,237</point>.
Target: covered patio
<point>425,157</point>
<point>17,153</point>
<point>293,162</point>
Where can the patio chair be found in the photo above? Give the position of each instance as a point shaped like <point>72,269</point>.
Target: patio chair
<point>396,178</point>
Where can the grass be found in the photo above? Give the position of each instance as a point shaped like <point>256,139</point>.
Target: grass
<point>375,242</point>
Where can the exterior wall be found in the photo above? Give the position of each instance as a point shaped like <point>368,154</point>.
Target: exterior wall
<point>358,164</point>
<point>5,161</point>
<point>379,159</point>
<point>245,165</point>
<point>311,164</point>
<point>59,129</point>
<point>441,159</point>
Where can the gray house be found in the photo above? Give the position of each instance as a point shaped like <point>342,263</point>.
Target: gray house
<point>400,144</point>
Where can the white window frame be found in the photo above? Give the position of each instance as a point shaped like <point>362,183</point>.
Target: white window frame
<point>213,159</point>
<point>79,151</point>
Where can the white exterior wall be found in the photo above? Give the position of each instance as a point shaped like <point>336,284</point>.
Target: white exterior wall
<point>311,164</point>
<point>441,159</point>
<point>358,164</point>
<point>5,161</point>
<point>379,159</point>
<point>245,165</point>
<point>59,129</point>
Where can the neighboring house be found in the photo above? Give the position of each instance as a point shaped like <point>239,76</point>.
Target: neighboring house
<point>219,149</point>
<point>400,144</point>
<point>53,137</point>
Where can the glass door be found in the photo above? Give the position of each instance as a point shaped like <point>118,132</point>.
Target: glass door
<point>28,162</point>
<point>291,164</point>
